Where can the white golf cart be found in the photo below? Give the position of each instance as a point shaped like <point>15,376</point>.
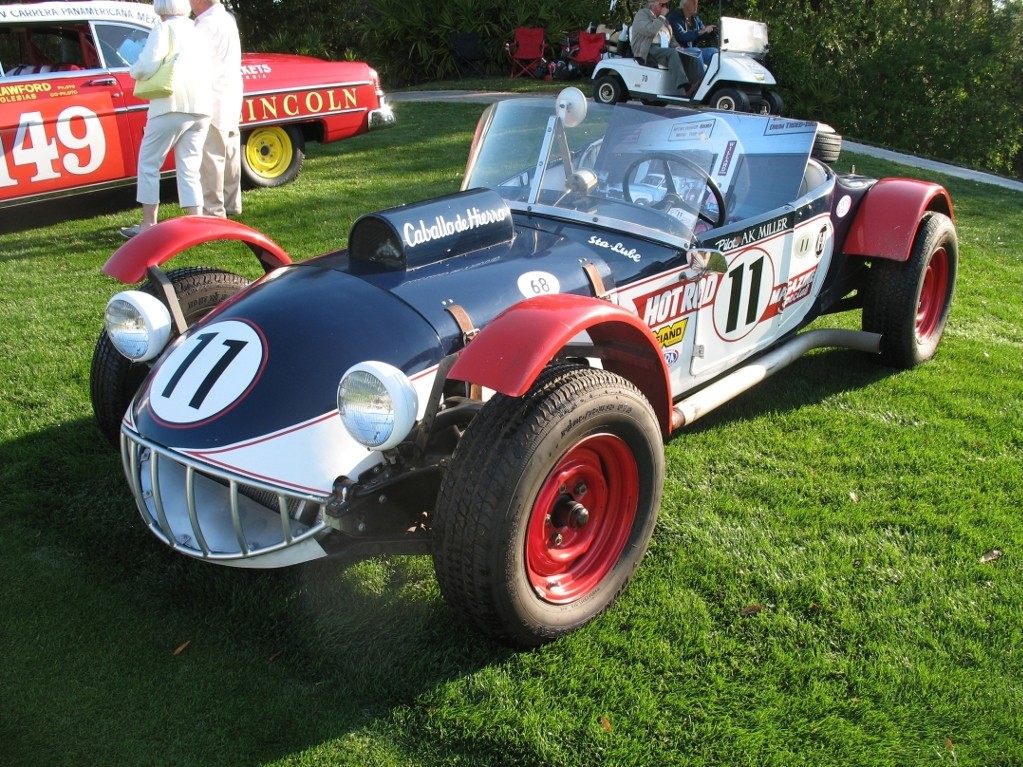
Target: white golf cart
<point>735,79</point>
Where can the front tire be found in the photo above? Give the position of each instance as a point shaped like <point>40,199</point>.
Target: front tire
<point>908,303</point>
<point>114,379</point>
<point>548,505</point>
<point>272,156</point>
<point>609,90</point>
<point>773,103</point>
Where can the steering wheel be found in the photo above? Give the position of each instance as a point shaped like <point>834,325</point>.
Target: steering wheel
<point>673,198</point>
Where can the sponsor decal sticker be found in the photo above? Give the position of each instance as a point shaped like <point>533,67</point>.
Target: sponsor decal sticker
<point>699,130</point>
<point>756,233</point>
<point>673,334</point>
<point>780,126</point>
<point>668,304</point>
<point>443,226</point>
<point>726,159</point>
<point>630,253</point>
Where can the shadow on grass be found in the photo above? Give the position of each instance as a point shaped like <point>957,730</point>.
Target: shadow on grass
<point>255,665</point>
<point>807,381</point>
<point>274,662</point>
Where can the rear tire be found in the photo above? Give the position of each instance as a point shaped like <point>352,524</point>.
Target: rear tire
<point>908,303</point>
<point>548,505</point>
<point>729,100</point>
<point>272,156</point>
<point>114,379</point>
<point>827,144</point>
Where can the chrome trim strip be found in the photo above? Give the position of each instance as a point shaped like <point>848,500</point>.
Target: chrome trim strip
<point>193,518</point>
<point>236,520</point>
<point>161,515</point>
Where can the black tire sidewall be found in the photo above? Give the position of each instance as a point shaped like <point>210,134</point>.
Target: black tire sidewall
<point>480,561</point>
<point>534,473</point>
<point>893,294</point>
<point>114,379</point>
<point>611,82</point>
<point>740,99</point>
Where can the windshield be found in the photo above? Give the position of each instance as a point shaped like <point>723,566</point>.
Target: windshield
<point>665,173</point>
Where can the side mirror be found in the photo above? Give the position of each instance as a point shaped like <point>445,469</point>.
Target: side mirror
<point>707,260</point>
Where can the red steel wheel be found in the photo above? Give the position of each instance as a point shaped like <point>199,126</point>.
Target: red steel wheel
<point>581,520</point>
<point>931,310</point>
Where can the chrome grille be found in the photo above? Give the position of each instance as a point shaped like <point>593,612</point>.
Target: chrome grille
<point>213,514</point>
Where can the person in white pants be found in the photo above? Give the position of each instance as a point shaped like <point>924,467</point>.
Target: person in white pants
<point>178,121</point>
<point>221,171</point>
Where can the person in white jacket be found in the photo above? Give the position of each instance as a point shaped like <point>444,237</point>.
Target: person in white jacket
<point>221,171</point>
<point>179,121</point>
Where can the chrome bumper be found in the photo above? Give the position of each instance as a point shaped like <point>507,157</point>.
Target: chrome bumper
<point>382,117</point>
<point>215,515</point>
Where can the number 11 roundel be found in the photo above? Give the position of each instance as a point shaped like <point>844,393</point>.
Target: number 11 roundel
<point>208,373</point>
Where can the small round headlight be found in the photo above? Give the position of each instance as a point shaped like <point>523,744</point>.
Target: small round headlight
<point>377,403</point>
<point>137,324</point>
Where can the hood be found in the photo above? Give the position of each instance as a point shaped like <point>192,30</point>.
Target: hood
<point>273,358</point>
<point>288,70</point>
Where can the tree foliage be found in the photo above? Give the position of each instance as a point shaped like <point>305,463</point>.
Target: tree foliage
<point>943,80</point>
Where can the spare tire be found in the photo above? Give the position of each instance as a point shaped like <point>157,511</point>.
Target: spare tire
<point>827,144</point>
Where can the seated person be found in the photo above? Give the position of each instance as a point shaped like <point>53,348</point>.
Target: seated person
<point>687,28</point>
<point>651,41</point>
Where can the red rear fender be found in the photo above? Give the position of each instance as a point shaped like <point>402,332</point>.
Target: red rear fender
<point>887,219</point>
<point>509,353</point>
<point>165,240</point>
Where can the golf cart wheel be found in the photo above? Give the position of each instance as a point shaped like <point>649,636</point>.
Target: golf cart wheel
<point>272,156</point>
<point>114,379</point>
<point>772,103</point>
<point>548,505</point>
<point>908,303</point>
<point>730,100</point>
<point>609,90</point>
<point>827,144</point>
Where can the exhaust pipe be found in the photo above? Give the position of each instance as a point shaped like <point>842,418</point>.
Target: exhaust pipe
<point>735,383</point>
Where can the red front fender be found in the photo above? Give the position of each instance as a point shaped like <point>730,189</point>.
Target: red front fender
<point>165,240</point>
<point>509,353</point>
<point>887,219</point>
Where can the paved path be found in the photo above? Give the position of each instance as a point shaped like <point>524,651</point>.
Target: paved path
<point>486,97</point>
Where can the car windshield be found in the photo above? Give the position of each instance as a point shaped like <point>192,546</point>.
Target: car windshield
<point>651,171</point>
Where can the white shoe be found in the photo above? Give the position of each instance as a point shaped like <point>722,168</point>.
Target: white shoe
<point>127,232</point>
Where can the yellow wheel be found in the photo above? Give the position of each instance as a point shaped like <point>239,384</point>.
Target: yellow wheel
<point>272,156</point>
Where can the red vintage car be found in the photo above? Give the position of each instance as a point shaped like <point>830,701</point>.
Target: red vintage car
<point>69,122</point>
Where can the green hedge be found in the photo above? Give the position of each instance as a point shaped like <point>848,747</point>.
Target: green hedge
<point>942,80</point>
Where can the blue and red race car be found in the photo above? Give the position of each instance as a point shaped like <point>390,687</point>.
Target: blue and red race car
<point>490,377</point>
<point>69,121</point>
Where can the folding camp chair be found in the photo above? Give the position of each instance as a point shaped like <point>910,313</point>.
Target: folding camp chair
<point>589,49</point>
<point>527,51</point>
<point>468,54</point>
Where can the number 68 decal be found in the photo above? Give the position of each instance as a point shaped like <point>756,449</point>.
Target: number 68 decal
<point>208,373</point>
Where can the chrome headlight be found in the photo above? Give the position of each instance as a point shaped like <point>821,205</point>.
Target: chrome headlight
<point>137,324</point>
<point>377,404</point>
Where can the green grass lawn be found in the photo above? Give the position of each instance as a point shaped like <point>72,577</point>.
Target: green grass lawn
<point>816,592</point>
